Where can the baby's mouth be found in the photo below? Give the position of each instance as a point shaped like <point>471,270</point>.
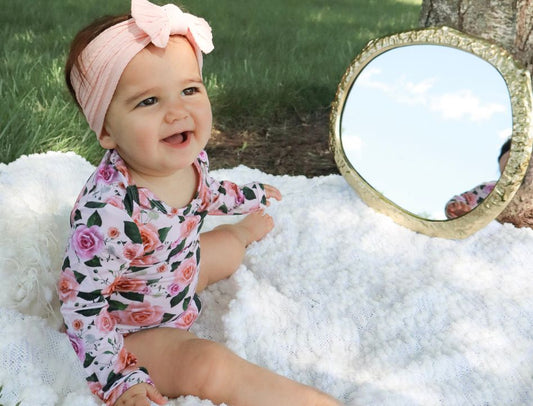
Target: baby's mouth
<point>178,138</point>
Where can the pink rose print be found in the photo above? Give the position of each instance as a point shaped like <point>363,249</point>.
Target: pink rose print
<point>77,344</point>
<point>150,237</point>
<point>87,241</point>
<point>121,167</point>
<point>132,251</point>
<point>471,199</point>
<point>115,201</point>
<point>106,174</point>
<point>77,324</point>
<point>174,289</point>
<point>113,232</point>
<point>234,191</point>
<point>125,285</point>
<point>96,388</point>
<point>186,271</point>
<point>125,359</point>
<point>67,287</point>
<point>130,285</point>
<point>143,198</point>
<point>140,314</point>
<point>187,318</point>
<point>189,225</point>
<point>104,322</point>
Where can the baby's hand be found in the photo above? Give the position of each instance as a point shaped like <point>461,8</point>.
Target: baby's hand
<point>457,209</point>
<point>272,192</point>
<point>141,395</point>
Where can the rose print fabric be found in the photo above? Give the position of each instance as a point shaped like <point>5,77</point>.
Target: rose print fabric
<point>471,198</point>
<point>132,263</point>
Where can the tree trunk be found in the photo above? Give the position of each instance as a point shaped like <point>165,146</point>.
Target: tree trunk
<point>506,22</point>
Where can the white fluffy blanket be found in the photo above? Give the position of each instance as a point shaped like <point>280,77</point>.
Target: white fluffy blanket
<point>337,296</point>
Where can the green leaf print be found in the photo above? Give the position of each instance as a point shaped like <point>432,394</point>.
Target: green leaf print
<point>163,232</point>
<point>176,250</point>
<point>132,231</point>
<point>88,312</point>
<point>198,302</point>
<point>132,196</point>
<point>92,378</point>
<point>167,317</point>
<point>79,276</point>
<point>95,294</point>
<point>116,305</point>
<point>88,360</point>
<point>156,204</point>
<point>137,268</point>
<point>94,220</point>
<point>186,303</point>
<point>111,379</point>
<point>248,193</point>
<point>177,299</point>
<point>95,205</point>
<point>94,262</point>
<point>66,263</point>
<point>136,297</point>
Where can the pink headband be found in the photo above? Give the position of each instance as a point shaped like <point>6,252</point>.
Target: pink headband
<point>105,57</point>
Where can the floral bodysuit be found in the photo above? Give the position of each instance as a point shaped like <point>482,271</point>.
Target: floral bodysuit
<point>132,263</point>
<point>471,198</point>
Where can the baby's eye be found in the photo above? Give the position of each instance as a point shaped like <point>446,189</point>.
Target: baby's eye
<point>190,91</point>
<point>148,102</point>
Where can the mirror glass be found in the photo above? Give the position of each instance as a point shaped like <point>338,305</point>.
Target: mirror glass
<point>420,117</point>
<point>422,123</point>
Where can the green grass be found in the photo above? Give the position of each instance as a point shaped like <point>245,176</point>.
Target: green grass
<point>273,60</point>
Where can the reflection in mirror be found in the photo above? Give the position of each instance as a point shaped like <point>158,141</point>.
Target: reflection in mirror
<point>423,123</point>
<point>421,116</point>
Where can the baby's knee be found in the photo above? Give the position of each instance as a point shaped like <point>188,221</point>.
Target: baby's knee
<point>212,371</point>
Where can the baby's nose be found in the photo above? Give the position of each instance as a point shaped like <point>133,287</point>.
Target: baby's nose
<point>176,112</point>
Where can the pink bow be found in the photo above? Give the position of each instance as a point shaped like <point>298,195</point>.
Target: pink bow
<point>106,56</point>
<point>161,22</point>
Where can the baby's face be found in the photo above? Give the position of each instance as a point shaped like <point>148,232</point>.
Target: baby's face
<point>503,161</point>
<point>160,117</point>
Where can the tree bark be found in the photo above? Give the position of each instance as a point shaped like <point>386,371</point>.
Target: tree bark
<point>508,23</point>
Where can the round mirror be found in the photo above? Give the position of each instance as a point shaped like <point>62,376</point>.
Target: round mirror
<point>421,116</point>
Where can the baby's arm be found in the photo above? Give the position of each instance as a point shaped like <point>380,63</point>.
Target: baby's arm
<point>226,197</point>
<point>467,201</point>
<point>271,193</point>
<point>93,265</point>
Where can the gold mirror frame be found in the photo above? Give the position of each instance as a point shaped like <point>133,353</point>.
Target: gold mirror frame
<point>519,85</point>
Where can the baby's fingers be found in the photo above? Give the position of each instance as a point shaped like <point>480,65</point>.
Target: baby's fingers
<point>272,192</point>
<point>156,397</point>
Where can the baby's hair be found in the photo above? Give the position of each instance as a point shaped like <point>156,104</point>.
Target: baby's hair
<point>505,147</point>
<point>82,39</point>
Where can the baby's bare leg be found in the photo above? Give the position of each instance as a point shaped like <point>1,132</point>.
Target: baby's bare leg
<point>179,363</point>
<point>223,248</point>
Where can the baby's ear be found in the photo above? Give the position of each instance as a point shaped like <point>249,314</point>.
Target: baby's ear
<point>106,140</point>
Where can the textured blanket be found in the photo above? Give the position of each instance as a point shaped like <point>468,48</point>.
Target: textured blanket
<point>337,296</point>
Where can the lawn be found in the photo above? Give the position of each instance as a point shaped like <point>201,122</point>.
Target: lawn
<point>273,61</point>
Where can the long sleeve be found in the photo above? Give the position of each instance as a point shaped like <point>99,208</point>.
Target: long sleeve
<point>469,200</point>
<point>96,257</point>
<point>226,197</point>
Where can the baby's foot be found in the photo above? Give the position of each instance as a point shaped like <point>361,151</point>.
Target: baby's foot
<point>255,226</point>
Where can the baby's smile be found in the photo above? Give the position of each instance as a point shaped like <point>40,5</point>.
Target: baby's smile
<point>178,138</point>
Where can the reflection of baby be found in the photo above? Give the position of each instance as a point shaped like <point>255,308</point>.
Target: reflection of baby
<point>519,211</point>
<point>467,201</point>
